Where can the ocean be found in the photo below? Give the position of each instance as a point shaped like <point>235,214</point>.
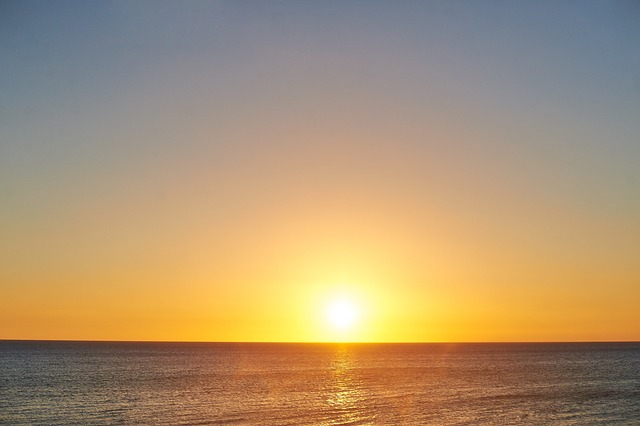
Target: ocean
<point>319,384</point>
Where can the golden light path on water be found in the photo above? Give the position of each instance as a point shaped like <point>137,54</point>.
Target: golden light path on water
<point>347,399</point>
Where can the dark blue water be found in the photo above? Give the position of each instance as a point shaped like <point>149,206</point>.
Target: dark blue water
<point>319,384</point>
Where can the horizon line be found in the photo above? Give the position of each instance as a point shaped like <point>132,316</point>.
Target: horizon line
<point>321,342</point>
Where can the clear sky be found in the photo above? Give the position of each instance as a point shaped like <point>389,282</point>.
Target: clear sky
<point>228,170</point>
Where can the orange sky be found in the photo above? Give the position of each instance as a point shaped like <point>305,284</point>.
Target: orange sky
<point>225,172</point>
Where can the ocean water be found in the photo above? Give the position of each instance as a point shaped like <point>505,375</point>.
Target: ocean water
<point>319,384</point>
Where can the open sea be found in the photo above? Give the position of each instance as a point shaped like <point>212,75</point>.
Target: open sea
<point>319,384</point>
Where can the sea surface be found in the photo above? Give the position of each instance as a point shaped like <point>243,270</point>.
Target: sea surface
<point>319,384</point>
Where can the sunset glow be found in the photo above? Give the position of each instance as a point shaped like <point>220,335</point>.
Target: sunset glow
<point>312,171</point>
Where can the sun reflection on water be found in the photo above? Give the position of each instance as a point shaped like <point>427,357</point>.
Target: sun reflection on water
<point>346,397</point>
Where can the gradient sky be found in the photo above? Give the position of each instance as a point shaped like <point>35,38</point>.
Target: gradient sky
<point>464,171</point>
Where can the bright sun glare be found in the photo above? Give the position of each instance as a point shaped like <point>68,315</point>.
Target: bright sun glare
<point>342,314</point>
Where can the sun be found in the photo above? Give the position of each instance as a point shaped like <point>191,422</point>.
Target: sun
<point>342,314</point>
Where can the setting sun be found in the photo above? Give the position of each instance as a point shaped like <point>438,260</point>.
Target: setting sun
<point>342,314</point>
<point>348,309</point>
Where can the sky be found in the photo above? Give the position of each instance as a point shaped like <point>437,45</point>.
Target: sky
<point>228,170</point>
